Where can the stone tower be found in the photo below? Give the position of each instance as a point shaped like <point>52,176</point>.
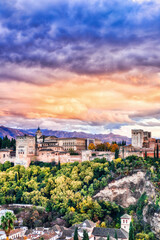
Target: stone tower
<point>38,135</point>
<point>137,138</point>
<point>125,222</point>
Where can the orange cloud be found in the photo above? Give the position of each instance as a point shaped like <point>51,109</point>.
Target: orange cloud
<point>88,99</point>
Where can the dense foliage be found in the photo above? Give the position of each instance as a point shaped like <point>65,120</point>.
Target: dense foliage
<point>67,189</point>
<point>7,143</point>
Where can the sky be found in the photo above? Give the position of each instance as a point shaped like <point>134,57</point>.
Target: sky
<point>80,65</point>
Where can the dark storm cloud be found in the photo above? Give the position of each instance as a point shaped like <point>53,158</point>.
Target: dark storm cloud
<point>96,37</point>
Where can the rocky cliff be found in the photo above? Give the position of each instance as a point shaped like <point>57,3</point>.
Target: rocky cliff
<point>128,190</point>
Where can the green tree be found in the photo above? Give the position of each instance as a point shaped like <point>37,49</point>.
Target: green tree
<point>85,235</point>
<point>154,153</point>
<point>15,177</point>
<point>115,236</point>
<point>131,232</point>
<point>116,153</point>
<point>59,165</point>
<point>157,151</point>
<point>76,234</point>
<point>145,154</point>
<point>7,223</point>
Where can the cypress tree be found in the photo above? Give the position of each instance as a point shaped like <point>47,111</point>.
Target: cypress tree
<point>115,236</point>
<point>59,165</point>
<point>154,153</point>
<point>157,151</point>
<point>145,154</point>
<point>123,152</point>
<point>15,177</point>
<point>116,153</point>
<point>85,235</point>
<point>76,234</point>
<point>0,143</point>
<point>131,232</point>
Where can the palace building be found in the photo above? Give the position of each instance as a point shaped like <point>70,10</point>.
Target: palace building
<point>49,148</point>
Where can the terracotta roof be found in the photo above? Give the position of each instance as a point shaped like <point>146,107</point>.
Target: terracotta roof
<point>39,229</point>
<point>32,236</point>
<point>46,236</point>
<point>14,231</point>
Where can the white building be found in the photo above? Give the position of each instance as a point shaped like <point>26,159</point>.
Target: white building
<point>125,222</point>
<point>14,234</point>
<point>122,233</point>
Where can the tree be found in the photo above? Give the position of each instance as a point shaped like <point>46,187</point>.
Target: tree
<point>107,144</point>
<point>15,177</point>
<point>113,147</point>
<point>145,154</point>
<point>116,153</point>
<point>103,225</point>
<point>131,232</point>
<point>157,151</point>
<point>59,165</point>
<point>7,223</point>
<point>154,153</point>
<point>85,235</point>
<point>76,234</point>
<point>101,147</point>
<point>91,146</point>
<point>115,236</point>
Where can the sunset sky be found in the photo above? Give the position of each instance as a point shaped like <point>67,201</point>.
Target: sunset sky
<point>80,65</point>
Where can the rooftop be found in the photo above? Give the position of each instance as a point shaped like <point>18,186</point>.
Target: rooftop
<point>104,232</point>
<point>126,216</point>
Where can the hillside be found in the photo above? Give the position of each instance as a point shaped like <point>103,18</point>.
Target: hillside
<point>98,190</point>
<point>13,133</point>
<point>10,132</point>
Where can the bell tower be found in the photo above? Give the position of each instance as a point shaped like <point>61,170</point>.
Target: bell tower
<point>38,135</point>
<point>125,222</point>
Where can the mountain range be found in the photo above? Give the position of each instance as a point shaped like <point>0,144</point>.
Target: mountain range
<point>13,133</point>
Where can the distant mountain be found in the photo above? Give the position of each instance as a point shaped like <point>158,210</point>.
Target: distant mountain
<point>10,132</point>
<point>13,133</point>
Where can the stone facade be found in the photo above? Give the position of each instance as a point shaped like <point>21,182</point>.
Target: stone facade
<point>7,155</point>
<point>76,144</point>
<point>47,149</point>
<point>140,138</point>
<point>25,150</point>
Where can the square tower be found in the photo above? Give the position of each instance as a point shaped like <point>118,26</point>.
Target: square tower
<point>125,222</point>
<point>25,150</point>
<point>137,138</point>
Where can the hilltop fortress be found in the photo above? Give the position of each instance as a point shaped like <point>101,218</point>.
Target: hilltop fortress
<point>48,149</point>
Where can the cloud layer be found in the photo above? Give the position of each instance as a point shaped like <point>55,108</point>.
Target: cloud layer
<point>95,63</point>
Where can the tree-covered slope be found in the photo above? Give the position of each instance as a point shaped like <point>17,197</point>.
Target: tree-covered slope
<point>68,190</point>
